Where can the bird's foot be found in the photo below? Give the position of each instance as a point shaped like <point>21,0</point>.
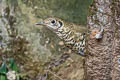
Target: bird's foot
<point>81,53</point>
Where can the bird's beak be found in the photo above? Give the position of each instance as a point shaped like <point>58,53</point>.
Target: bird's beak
<point>39,23</point>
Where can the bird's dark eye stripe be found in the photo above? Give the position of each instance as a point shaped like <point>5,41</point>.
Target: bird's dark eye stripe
<point>60,23</point>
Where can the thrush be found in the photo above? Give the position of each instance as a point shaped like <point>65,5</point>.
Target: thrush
<point>74,36</point>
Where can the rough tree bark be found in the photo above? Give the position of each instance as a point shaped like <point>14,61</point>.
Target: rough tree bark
<point>103,57</point>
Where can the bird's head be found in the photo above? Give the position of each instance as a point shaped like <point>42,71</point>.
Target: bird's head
<point>51,23</point>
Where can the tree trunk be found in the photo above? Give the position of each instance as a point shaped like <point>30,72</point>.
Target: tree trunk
<point>103,57</point>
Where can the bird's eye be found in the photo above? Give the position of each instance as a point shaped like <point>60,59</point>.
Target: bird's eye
<point>53,21</point>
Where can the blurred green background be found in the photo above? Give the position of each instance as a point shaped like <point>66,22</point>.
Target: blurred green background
<point>70,10</point>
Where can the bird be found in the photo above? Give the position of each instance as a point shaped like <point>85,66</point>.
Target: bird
<point>73,36</point>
